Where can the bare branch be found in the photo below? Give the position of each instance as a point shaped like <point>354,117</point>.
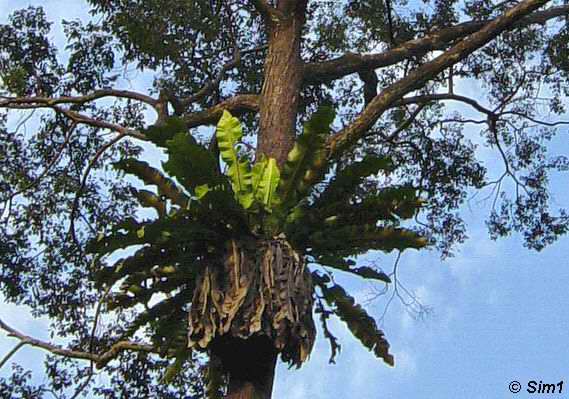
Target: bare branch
<point>446,96</point>
<point>12,352</point>
<point>412,117</point>
<point>357,129</point>
<point>321,72</point>
<point>96,95</point>
<point>78,118</point>
<point>90,166</point>
<point>213,84</point>
<point>99,359</point>
<point>532,119</point>
<point>84,385</point>
<point>87,381</point>
<point>491,114</point>
<point>237,105</point>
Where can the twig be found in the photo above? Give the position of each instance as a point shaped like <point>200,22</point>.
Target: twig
<point>212,84</point>
<point>42,102</point>
<point>85,383</point>
<point>12,353</point>
<point>393,136</point>
<point>446,97</point>
<point>90,166</point>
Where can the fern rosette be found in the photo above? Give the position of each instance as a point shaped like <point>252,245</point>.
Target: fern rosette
<point>227,255</point>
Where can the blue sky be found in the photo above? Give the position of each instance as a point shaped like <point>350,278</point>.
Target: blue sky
<point>500,312</point>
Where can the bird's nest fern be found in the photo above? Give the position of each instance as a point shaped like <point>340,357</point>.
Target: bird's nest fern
<point>228,252</point>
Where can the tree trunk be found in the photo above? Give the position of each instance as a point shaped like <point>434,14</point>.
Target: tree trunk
<point>250,307</point>
<point>250,364</point>
<point>282,81</point>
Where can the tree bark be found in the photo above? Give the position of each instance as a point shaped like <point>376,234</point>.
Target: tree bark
<point>253,305</point>
<point>250,364</point>
<point>282,82</point>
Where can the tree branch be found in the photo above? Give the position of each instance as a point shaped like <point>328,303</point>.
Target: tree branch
<point>12,352</point>
<point>99,359</point>
<point>422,99</point>
<point>357,129</point>
<point>532,119</point>
<point>491,114</point>
<point>369,78</point>
<point>237,105</point>
<point>96,95</point>
<point>326,71</point>
<point>412,117</point>
<point>78,118</point>
<point>214,83</point>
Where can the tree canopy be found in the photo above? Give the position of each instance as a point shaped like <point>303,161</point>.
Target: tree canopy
<point>337,127</point>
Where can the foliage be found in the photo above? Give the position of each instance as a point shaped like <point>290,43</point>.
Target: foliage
<point>58,190</point>
<point>184,239</point>
<point>361,325</point>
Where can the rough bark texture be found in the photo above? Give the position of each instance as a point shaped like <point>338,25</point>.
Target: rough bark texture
<point>254,305</point>
<point>259,302</point>
<point>281,85</point>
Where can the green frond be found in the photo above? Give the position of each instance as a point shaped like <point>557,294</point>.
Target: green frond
<point>122,235</point>
<point>347,265</point>
<point>391,204</point>
<point>152,176</point>
<point>362,326</point>
<point>167,262</point>
<point>150,200</point>
<point>228,134</point>
<point>346,180</point>
<point>265,180</point>
<point>191,163</point>
<point>160,310</point>
<point>306,163</point>
<point>160,134</point>
<point>352,240</point>
<point>142,260</point>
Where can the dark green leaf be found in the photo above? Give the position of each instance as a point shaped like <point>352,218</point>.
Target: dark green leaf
<point>152,176</point>
<point>347,265</point>
<point>306,162</point>
<point>356,318</point>
<point>160,134</point>
<point>192,164</point>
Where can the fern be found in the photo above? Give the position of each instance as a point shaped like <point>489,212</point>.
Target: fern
<point>266,177</point>
<point>239,171</point>
<point>362,326</point>
<point>306,162</point>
